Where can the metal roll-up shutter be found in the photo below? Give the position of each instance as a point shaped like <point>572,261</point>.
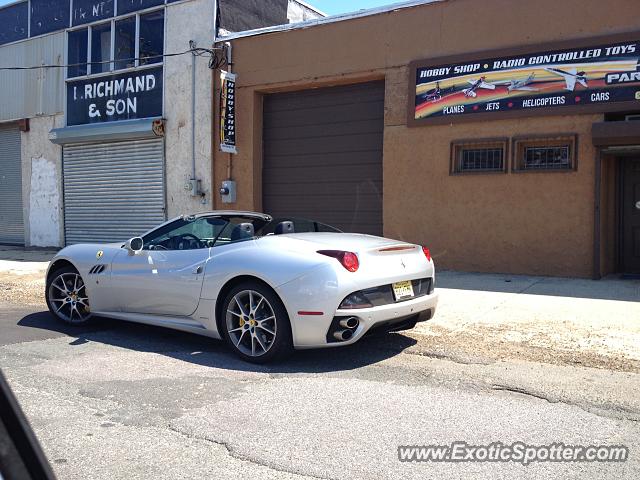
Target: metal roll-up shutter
<point>11,218</point>
<point>323,156</point>
<point>113,191</point>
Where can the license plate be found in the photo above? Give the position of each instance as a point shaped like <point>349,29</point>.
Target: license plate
<point>402,290</point>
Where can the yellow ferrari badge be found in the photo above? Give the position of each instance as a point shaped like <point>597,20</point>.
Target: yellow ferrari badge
<point>99,254</point>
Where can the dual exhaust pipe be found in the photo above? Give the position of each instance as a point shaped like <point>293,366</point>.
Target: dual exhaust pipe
<point>348,326</point>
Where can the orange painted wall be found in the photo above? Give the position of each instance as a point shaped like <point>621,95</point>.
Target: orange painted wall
<point>536,223</point>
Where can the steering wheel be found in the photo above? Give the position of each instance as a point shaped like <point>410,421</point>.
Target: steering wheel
<point>186,236</point>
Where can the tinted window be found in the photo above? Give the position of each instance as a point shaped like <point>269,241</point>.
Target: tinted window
<point>125,43</point>
<point>87,11</point>
<point>13,22</point>
<point>49,16</point>
<point>126,6</point>
<point>151,37</point>
<point>100,47</point>
<point>185,234</point>
<point>77,53</point>
<point>188,233</point>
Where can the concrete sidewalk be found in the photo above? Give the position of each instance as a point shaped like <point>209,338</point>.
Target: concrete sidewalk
<point>24,261</point>
<point>553,320</point>
<point>22,274</point>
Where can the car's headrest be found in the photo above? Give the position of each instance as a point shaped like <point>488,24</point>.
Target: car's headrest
<point>284,227</point>
<point>242,231</point>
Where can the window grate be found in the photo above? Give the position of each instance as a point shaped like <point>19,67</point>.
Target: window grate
<point>478,156</point>
<point>545,158</point>
<point>482,159</point>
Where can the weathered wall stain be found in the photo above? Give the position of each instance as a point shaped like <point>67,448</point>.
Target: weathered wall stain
<point>44,201</point>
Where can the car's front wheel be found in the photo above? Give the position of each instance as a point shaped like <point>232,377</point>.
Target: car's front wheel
<point>255,323</point>
<point>67,297</point>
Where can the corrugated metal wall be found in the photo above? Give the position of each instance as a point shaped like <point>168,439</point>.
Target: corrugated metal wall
<point>27,93</point>
<point>11,222</point>
<point>113,191</point>
<point>323,156</point>
<point>239,15</point>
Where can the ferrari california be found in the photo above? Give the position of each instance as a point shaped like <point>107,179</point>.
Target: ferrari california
<point>266,286</point>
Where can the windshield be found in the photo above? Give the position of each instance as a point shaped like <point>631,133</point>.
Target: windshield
<point>188,233</point>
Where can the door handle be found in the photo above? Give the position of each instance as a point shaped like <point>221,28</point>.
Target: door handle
<point>198,270</point>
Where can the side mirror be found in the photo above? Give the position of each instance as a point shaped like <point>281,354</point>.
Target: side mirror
<point>134,245</point>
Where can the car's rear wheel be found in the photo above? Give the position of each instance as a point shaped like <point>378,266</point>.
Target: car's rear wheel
<point>255,323</point>
<point>67,296</point>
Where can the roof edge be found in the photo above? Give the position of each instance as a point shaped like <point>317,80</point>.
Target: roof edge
<point>311,7</point>
<point>322,21</point>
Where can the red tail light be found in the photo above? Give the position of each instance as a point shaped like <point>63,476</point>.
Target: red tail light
<point>349,260</point>
<point>427,253</point>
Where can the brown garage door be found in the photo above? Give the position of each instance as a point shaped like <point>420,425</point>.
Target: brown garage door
<point>323,156</point>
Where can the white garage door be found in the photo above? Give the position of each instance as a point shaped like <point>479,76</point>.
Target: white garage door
<point>113,191</point>
<point>11,220</point>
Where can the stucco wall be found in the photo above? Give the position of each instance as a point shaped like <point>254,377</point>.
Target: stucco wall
<point>538,222</point>
<point>184,22</point>
<point>520,223</point>
<point>42,183</point>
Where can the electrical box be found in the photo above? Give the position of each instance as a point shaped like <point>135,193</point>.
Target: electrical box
<point>228,191</point>
<point>193,187</point>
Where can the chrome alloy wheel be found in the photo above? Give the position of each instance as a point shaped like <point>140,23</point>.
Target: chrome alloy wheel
<point>68,298</point>
<point>251,323</point>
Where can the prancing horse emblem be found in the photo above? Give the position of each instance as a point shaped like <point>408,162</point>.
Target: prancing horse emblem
<point>402,263</point>
<point>99,254</point>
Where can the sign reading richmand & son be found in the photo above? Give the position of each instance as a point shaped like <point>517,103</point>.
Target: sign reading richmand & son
<point>123,96</point>
<point>228,112</point>
<point>601,77</point>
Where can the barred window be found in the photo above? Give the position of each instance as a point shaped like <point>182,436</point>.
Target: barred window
<point>546,157</point>
<point>544,154</point>
<point>478,156</point>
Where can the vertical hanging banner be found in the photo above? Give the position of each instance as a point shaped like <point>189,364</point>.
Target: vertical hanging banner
<point>228,112</point>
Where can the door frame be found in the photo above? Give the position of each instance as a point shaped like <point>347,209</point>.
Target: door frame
<point>614,140</point>
<point>620,185</point>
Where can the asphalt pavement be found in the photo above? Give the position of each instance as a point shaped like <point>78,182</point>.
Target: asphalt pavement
<point>119,400</point>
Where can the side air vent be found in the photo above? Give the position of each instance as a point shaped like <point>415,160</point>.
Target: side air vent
<point>97,269</point>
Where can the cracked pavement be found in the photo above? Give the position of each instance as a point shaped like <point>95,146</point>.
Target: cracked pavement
<point>119,400</point>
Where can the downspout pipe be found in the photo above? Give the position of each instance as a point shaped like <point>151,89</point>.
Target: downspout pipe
<point>192,44</point>
<point>212,107</point>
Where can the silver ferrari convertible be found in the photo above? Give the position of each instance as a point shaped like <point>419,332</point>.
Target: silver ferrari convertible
<point>265,285</point>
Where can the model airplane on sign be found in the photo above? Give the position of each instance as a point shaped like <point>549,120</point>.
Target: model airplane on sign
<point>519,85</point>
<point>265,286</point>
<point>571,77</point>
<point>475,85</point>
